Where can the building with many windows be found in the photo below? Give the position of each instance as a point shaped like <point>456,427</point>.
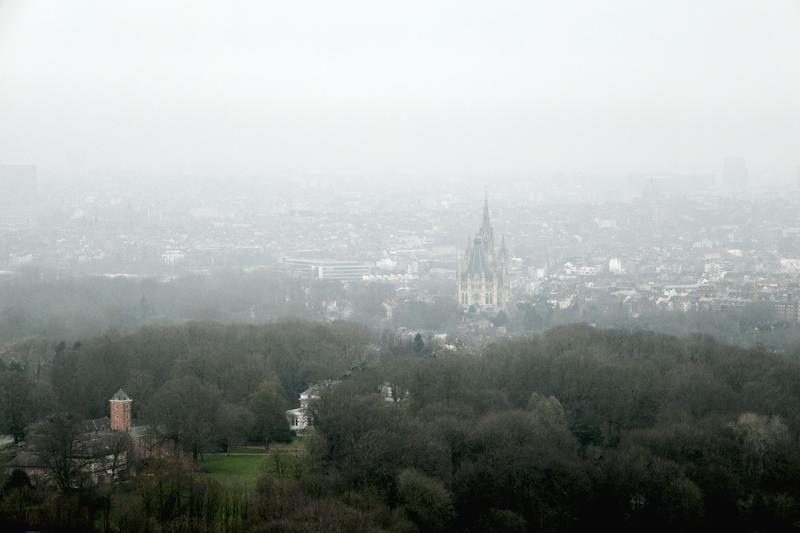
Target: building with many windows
<point>329,269</point>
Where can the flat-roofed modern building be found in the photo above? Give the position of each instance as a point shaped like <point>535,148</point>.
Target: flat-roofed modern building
<point>329,269</point>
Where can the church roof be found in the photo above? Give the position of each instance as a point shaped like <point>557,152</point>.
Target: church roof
<point>477,261</point>
<point>120,396</point>
<point>94,425</point>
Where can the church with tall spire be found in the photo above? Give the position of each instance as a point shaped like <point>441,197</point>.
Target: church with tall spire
<point>482,278</point>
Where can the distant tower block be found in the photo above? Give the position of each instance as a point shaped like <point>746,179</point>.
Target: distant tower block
<point>121,416</point>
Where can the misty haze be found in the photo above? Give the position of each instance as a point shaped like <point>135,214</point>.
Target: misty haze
<point>368,266</point>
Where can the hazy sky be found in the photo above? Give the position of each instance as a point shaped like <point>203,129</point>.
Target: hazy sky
<point>441,87</point>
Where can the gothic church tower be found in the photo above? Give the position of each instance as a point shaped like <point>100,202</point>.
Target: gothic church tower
<point>482,278</point>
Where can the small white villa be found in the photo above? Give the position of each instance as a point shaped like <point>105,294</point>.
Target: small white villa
<point>301,418</point>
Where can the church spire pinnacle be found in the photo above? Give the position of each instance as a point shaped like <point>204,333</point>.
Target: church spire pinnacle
<point>486,220</point>
<point>487,232</point>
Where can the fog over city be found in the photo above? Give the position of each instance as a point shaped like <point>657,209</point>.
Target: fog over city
<point>416,266</point>
<point>457,88</point>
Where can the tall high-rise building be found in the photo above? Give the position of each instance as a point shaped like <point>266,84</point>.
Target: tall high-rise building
<point>17,196</point>
<point>482,279</point>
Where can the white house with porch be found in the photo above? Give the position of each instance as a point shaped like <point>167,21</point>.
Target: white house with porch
<point>301,418</point>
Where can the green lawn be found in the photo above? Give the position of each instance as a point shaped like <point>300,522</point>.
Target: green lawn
<point>246,465</point>
<point>235,469</point>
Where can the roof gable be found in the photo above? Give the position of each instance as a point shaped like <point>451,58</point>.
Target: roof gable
<point>120,396</point>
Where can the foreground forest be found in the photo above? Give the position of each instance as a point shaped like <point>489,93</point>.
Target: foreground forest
<point>577,429</point>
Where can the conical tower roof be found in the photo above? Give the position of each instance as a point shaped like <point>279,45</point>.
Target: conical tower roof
<point>486,231</point>
<point>120,396</point>
<point>486,222</point>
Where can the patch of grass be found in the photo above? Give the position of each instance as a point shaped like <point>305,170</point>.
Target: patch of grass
<point>246,464</point>
<point>235,469</point>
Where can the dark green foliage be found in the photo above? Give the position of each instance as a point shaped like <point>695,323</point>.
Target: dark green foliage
<point>17,480</point>
<point>426,500</point>
<point>578,429</point>
<point>55,438</point>
<point>500,521</point>
<point>267,405</point>
<point>188,411</point>
<point>233,424</point>
<point>22,401</point>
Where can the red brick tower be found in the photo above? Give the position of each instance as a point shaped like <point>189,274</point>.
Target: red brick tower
<point>121,416</point>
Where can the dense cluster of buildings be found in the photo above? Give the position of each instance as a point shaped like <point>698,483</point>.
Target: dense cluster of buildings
<point>659,243</point>
<point>678,254</point>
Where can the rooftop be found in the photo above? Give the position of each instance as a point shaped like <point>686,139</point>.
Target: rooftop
<point>120,396</point>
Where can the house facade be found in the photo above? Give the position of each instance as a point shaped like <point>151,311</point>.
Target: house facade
<point>302,418</point>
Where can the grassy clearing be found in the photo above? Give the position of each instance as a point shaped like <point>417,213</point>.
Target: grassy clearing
<point>235,469</point>
<point>246,464</point>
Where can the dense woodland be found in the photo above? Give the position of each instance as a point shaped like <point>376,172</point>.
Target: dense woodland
<point>580,428</point>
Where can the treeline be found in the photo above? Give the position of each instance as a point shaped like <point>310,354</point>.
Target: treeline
<point>167,496</point>
<point>577,429</point>
<point>50,306</point>
<point>77,307</point>
<point>753,324</point>
<point>581,429</point>
<point>233,382</point>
